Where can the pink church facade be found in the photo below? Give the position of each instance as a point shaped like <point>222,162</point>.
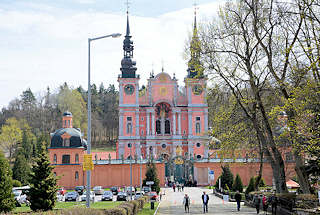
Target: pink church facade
<point>163,120</point>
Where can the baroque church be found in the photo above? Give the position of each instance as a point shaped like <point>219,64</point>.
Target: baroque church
<point>163,120</point>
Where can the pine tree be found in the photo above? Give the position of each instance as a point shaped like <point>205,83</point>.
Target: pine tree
<point>226,177</point>
<point>43,183</point>
<point>151,175</point>
<point>7,202</point>
<point>237,184</point>
<point>21,168</point>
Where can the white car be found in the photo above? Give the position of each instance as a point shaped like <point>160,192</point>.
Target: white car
<point>21,198</point>
<point>83,197</point>
<point>138,194</point>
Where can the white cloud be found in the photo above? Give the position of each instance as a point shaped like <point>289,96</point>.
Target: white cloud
<point>47,49</point>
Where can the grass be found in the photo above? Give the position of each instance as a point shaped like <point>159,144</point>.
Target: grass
<point>104,149</point>
<point>146,209</point>
<point>66,205</point>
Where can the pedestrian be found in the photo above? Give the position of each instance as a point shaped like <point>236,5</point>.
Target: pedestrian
<point>182,187</point>
<point>186,203</point>
<point>238,197</point>
<point>205,200</point>
<point>160,195</point>
<point>273,200</point>
<point>256,202</point>
<point>265,204</point>
<point>174,187</point>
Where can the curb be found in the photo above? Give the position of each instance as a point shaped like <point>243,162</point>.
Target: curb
<point>157,208</point>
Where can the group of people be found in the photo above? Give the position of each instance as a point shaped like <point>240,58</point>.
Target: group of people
<point>265,203</point>
<point>180,187</point>
<point>205,200</point>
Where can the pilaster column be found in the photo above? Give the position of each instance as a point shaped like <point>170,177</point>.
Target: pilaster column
<point>189,94</point>
<point>120,93</point>
<point>174,122</point>
<point>148,123</point>
<point>137,93</point>
<point>153,123</point>
<point>206,121</point>
<point>190,123</point>
<point>162,125</point>
<point>137,123</point>
<point>179,123</point>
<point>190,148</point>
<point>121,123</point>
<point>138,149</point>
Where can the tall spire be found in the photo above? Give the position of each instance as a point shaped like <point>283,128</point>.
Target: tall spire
<point>128,65</point>
<point>195,69</point>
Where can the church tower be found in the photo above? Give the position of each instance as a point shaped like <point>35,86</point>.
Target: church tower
<point>195,84</point>
<point>128,98</point>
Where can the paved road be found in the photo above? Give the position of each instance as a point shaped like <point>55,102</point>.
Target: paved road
<point>172,203</point>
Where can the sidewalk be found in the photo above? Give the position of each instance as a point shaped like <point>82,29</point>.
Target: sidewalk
<point>172,203</point>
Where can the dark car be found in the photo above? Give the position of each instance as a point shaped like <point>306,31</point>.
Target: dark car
<point>146,189</point>
<point>115,190</point>
<point>122,196</point>
<point>107,196</point>
<point>72,196</point>
<point>79,189</point>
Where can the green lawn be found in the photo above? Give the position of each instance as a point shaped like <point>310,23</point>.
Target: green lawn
<point>65,205</point>
<point>104,149</point>
<point>146,209</point>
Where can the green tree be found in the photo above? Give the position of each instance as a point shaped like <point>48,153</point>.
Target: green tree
<point>11,134</point>
<point>226,177</point>
<point>7,202</point>
<point>151,175</point>
<point>250,187</point>
<point>21,168</point>
<point>43,183</point>
<point>237,184</point>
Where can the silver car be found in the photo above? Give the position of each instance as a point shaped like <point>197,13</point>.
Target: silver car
<point>107,196</point>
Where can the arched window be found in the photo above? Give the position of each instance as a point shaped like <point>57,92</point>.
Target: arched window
<point>65,123</point>
<point>198,128</point>
<point>68,123</point>
<point>167,127</point>
<point>77,158</point>
<point>129,128</point>
<point>198,145</point>
<point>198,156</point>
<point>54,158</point>
<point>76,175</point>
<point>55,174</point>
<point>158,126</point>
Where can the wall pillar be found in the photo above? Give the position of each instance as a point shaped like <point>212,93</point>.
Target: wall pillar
<point>153,122</point>
<point>148,123</point>
<point>179,123</point>
<point>121,123</point>
<point>174,122</point>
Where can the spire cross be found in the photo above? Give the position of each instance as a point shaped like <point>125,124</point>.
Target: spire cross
<point>195,7</point>
<point>127,3</point>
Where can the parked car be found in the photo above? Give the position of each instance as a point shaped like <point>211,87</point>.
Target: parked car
<point>20,197</point>
<point>79,189</point>
<point>62,191</point>
<point>130,190</point>
<point>115,190</point>
<point>146,189</point>
<point>71,196</point>
<point>138,194</point>
<point>107,196</point>
<point>153,195</point>
<point>83,197</point>
<point>98,190</point>
<point>122,196</point>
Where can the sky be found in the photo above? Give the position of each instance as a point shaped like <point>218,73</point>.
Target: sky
<point>44,43</point>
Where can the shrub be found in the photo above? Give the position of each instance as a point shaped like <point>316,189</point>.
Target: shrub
<point>129,207</point>
<point>237,184</point>
<point>78,211</point>
<point>226,177</point>
<point>115,211</point>
<point>250,187</point>
<point>136,206</point>
<point>16,183</point>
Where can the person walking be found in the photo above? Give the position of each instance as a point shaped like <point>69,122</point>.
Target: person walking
<point>238,197</point>
<point>273,200</point>
<point>265,204</point>
<point>256,202</point>
<point>186,203</point>
<point>205,200</point>
<point>174,187</point>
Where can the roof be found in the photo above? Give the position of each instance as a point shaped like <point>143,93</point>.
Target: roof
<point>292,184</point>
<point>76,139</point>
<point>67,113</point>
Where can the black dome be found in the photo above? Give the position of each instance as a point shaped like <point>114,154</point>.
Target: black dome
<point>67,113</point>
<point>75,139</point>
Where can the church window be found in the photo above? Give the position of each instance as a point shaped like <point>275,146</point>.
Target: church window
<point>76,158</point>
<point>167,127</point>
<point>129,128</point>
<point>141,132</point>
<point>54,158</point>
<point>198,128</point>
<point>198,118</point>
<point>55,174</point>
<point>184,132</point>
<point>76,175</point>
<point>68,123</point>
<point>198,145</point>
<point>141,118</point>
<point>129,145</point>
<point>163,145</point>
<point>65,123</point>
<point>129,118</point>
<point>198,156</point>
<point>158,126</point>
<point>65,159</point>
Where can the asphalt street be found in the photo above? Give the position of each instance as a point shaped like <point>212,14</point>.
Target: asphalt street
<point>172,203</point>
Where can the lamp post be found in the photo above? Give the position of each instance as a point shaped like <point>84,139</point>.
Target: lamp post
<point>140,169</point>
<point>89,113</point>
<point>130,171</point>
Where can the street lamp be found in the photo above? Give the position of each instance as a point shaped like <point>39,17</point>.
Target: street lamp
<point>89,112</point>
<point>140,169</point>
